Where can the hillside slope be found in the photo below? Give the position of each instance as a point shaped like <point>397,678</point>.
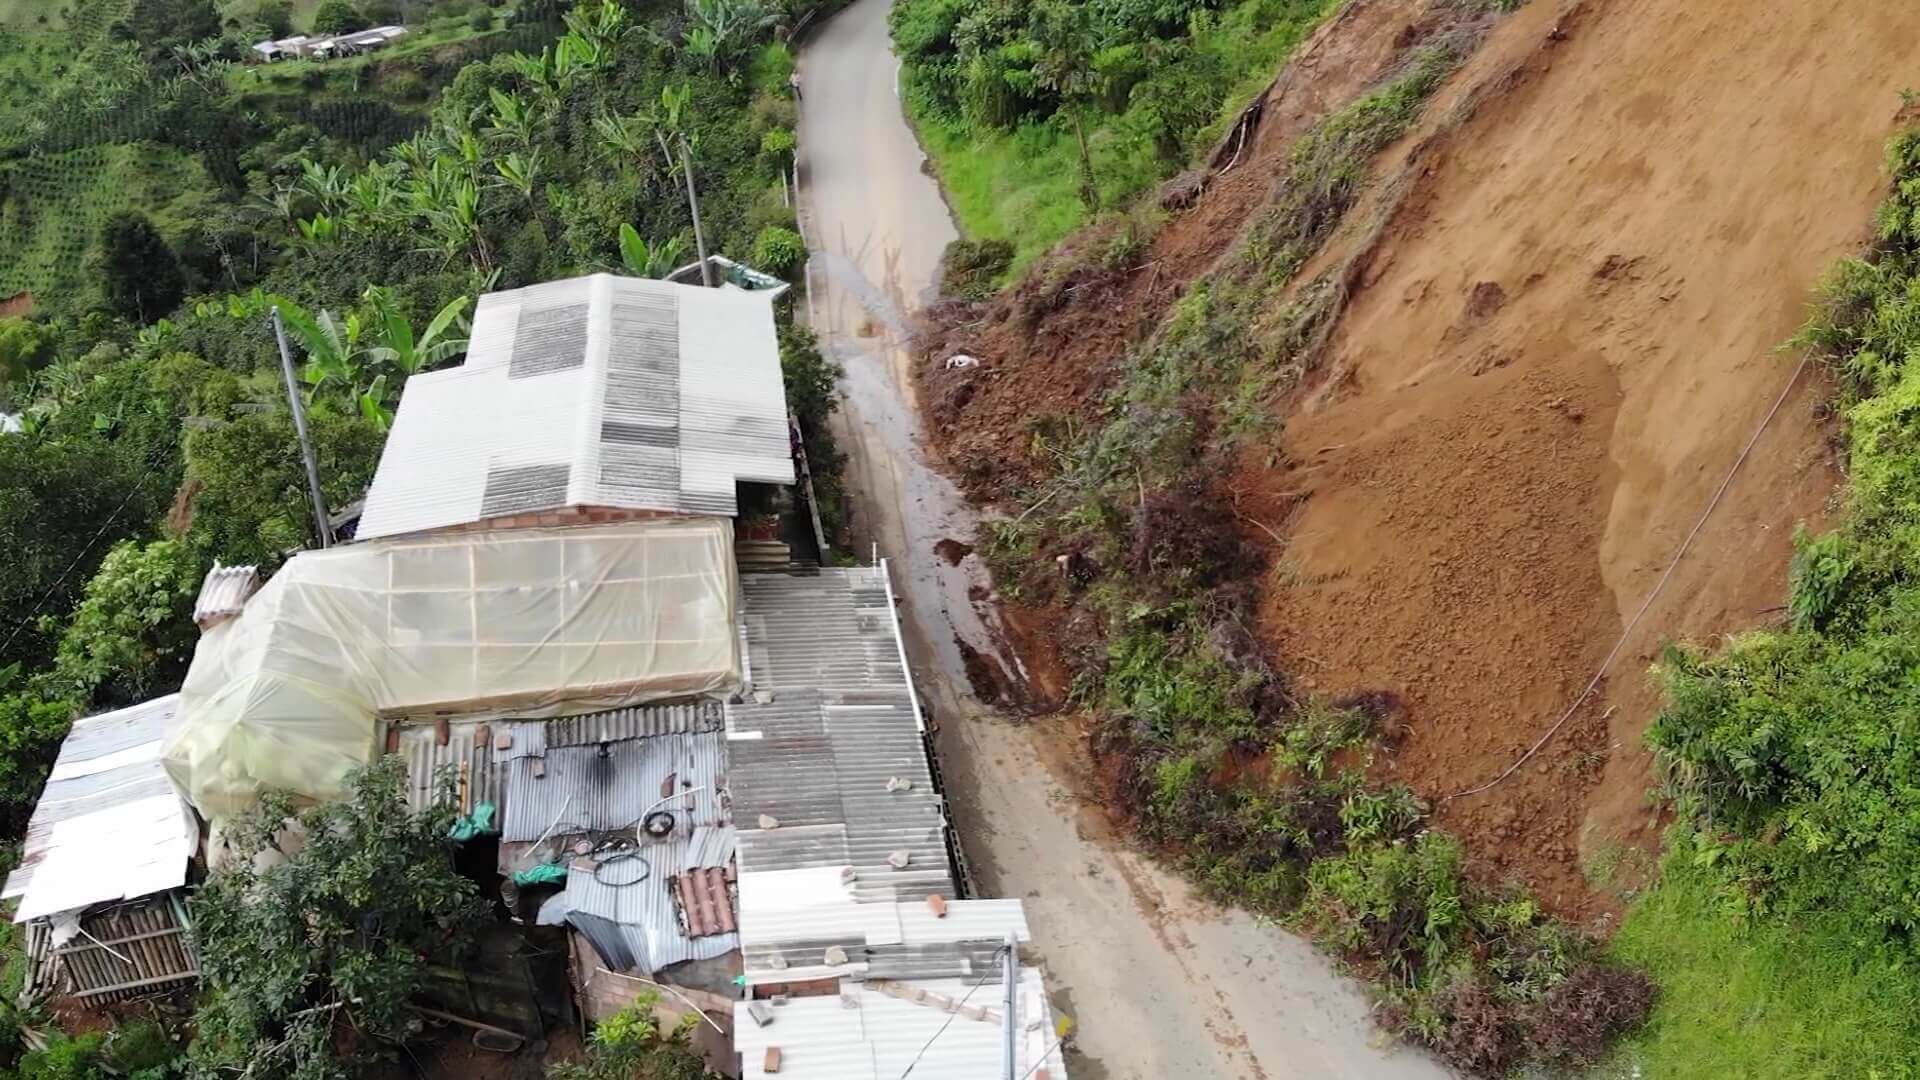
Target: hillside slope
<point>1559,338</point>
<point>1560,300</point>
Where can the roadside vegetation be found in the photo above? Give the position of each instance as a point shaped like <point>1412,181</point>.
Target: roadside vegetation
<point>1792,881</point>
<point>1260,792</point>
<point>158,198</point>
<point>1039,115</point>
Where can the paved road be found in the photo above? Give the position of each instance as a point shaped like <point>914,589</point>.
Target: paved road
<point>1161,983</point>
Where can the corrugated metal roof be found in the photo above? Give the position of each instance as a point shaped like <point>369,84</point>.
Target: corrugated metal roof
<point>878,1031</point>
<point>578,789</point>
<point>109,825</point>
<point>830,630</point>
<point>224,592</point>
<point>639,722</point>
<point>637,926</point>
<point>639,394</point>
<point>469,744</point>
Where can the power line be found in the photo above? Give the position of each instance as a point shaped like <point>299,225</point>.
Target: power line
<point>990,973</point>
<point>1648,602</point>
<point>34,615</point>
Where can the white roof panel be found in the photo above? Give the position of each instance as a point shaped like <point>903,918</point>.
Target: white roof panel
<point>594,391</point>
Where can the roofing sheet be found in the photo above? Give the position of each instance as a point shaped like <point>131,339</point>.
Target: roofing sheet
<point>633,920</point>
<point>109,825</point>
<point>224,591</point>
<point>610,788</point>
<point>593,391</point>
<point>877,1032</point>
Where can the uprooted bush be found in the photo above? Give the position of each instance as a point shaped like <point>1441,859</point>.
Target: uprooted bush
<point>971,269</point>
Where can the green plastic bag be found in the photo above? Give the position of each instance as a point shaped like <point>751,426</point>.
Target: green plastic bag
<point>547,874</point>
<point>478,823</point>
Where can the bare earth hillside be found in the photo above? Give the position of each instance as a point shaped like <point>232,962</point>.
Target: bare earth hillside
<point>1565,292</point>
<point>1555,349</point>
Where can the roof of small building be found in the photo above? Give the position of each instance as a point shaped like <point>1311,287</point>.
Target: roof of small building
<point>879,1030</point>
<point>110,824</point>
<point>596,391</point>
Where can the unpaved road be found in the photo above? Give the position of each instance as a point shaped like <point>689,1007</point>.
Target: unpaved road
<point>1161,983</point>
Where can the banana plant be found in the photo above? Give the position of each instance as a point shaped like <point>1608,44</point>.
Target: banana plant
<point>519,171</point>
<point>513,120</point>
<point>648,261</point>
<point>319,231</point>
<point>399,349</point>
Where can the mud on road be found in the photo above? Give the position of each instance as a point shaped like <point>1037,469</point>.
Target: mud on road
<point>1160,982</point>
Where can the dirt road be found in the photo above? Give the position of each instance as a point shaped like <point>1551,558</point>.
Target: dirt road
<point>1161,983</point>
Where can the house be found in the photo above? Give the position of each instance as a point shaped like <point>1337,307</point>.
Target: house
<point>699,776</point>
<point>284,48</point>
<point>589,400</point>
<point>105,862</point>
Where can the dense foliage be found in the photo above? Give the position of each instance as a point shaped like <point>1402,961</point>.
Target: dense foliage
<point>313,935</point>
<point>1038,112</point>
<point>161,200</point>
<point>1796,747</point>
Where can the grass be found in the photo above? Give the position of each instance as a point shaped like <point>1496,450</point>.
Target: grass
<point>1022,185</point>
<point>56,204</point>
<point>1764,1000</point>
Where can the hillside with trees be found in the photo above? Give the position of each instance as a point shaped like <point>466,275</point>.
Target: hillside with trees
<point>159,197</point>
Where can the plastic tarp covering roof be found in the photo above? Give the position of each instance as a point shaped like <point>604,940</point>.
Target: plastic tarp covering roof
<point>526,623</point>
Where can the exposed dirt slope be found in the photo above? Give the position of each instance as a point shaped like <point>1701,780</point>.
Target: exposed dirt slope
<point>1561,333</point>
<point>1049,347</point>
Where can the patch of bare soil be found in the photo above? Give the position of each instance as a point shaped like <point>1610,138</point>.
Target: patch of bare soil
<point>1565,295</point>
<point>1049,346</point>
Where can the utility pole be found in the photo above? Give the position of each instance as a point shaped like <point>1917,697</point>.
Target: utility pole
<point>320,521</point>
<point>1010,974</point>
<point>693,203</point>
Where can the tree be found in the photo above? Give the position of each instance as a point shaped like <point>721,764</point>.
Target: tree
<point>629,1045</point>
<point>142,276</point>
<point>248,489</point>
<point>312,951</point>
<point>31,728</point>
<point>1066,37</point>
<point>275,17</point>
<point>25,347</point>
<point>63,502</point>
<point>133,634</point>
<point>338,17</point>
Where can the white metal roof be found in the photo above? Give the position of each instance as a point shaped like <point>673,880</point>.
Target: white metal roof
<point>594,391</point>
<point>110,825</point>
<point>867,1032</point>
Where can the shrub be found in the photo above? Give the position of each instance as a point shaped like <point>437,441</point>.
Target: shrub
<point>779,251</point>
<point>480,19</point>
<point>337,17</point>
<point>1581,1017</point>
<point>972,268</point>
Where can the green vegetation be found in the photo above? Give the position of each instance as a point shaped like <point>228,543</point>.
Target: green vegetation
<point>1261,793</point>
<point>1038,114</point>
<point>629,1046</point>
<point>312,938</point>
<point>1793,884</point>
<point>159,199</point>
<point>1761,998</point>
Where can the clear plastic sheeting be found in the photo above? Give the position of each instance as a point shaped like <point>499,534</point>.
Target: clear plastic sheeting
<point>527,623</point>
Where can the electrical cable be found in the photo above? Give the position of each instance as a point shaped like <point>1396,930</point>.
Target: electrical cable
<point>990,973</point>
<point>1625,633</point>
<point>619,857</point>
<point>34,616</point>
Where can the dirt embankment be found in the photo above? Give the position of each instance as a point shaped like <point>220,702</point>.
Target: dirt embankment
<point>1561,333</point>
<point>1049,346</point>
<point>1565,290</point>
